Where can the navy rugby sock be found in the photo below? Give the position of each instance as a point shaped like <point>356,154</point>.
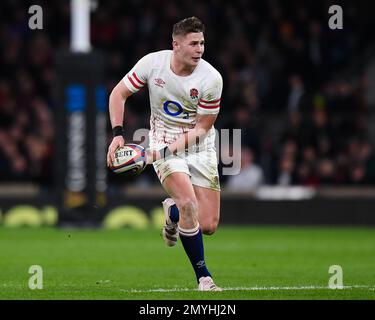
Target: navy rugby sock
<point>193,244</point>
<point>174,214</point>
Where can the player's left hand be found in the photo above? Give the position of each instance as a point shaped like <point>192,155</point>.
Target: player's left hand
<point>152,155</point>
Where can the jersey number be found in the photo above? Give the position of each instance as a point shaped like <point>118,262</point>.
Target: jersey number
<point>177,112</point>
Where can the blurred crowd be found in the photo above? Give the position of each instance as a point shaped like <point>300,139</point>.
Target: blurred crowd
<point>292,85</point>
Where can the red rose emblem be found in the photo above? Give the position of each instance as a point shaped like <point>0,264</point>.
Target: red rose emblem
<point>194,93</point>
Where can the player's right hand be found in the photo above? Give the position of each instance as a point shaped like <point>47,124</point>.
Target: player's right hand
<point>117,142</point>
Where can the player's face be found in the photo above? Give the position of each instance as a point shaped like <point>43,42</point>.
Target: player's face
<point>190,48</point>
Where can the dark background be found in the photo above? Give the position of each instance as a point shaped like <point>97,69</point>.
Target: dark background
<point>301,93</point>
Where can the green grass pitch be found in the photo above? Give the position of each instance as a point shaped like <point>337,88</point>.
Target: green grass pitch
<point>248,262</point>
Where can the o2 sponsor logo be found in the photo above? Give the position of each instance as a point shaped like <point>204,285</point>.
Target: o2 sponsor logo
<point>174,109</point>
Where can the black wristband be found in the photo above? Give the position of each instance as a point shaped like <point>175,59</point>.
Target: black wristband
<point>118,131</point>
<point>165,152</point>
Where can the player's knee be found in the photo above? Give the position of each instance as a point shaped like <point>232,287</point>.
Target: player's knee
<point>209,228</point>
<point>188,206</point>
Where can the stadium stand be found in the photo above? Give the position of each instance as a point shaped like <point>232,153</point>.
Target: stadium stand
<point>297,89</point>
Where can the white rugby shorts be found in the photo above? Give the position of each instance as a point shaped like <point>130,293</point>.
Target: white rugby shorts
<point>201,166</point>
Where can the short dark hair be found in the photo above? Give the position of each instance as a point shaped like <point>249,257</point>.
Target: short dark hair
<point>188,25</point>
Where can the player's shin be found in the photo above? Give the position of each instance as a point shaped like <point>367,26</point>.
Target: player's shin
<point>174,214</point>
<point>192,242</point>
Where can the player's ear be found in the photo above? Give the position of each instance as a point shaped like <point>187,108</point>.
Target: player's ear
<point>175,43</point>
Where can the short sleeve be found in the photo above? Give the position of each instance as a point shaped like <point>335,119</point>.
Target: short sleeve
<point>137,77</point>
<point>209,103</point>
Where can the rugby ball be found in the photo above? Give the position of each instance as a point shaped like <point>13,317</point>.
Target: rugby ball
<point>130,158</point>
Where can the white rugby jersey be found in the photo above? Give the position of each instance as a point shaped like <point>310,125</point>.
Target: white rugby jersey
<point>176,100</point>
